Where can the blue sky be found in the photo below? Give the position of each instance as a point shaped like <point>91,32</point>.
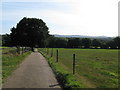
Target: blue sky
<point>70,17</point>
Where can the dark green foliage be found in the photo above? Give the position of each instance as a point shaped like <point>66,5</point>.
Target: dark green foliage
<point>96,43</point>
<point>6,40</point>
<point>74,43</point>
<point>103,45</point>
<point>0,40</point>
<point>55,42</point>
<point>86,42</point>
<point>117,42</point>
<point>111,44</point>
<point>60,43</point>
<point>30,32</point>
<point>51,42</point>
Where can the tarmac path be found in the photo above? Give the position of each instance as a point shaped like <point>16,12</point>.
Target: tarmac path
<point>33,72</point>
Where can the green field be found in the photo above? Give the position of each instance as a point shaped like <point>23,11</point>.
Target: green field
<point>94,67</point>
<point>8,50</point>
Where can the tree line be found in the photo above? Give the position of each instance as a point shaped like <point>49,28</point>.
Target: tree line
<point>58,42</point>
<point>33,32</point>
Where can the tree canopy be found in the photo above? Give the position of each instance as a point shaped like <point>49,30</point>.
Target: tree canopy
<point>30,32</point>
<point>74,42</point>
<point>33,32</point>
<point>117,41</point>
<point>58,42</point>
<point>86,42</point>
<point>96,43</point>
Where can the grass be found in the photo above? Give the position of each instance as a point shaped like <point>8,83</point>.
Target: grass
<point>8,50</point>
<point>10,62</point>
<point>4,47</point>
<point>65,78</point>
<point>95,68</point>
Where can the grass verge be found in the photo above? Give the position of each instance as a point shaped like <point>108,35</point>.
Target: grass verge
<point>95,68</point>
<point>10,62</point>
<point>65,78</point>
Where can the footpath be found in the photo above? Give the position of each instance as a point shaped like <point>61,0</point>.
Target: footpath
<point>33,72</point>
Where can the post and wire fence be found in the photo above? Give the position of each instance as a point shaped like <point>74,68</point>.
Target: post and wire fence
<point>73,63</point>
<point>57,55</point>
<point>49,52</point>
<point>52,52</point>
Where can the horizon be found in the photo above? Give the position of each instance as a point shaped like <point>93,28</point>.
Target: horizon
<point>76,35</point>
<point>65,17</point>
<point>85,35</point>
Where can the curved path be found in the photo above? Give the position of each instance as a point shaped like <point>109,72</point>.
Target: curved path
<point>33,72</point>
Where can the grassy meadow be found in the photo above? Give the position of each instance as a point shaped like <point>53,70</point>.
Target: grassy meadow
<point>95,68</point>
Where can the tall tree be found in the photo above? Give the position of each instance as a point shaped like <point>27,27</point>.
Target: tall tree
<point>51,41</point>
<point>86,42</point>
<point>111,44</point>
<point>117,41</point>
<point>96,43</point>
<point>60,42</point>
<point>6,40</point>
<point>74,43</point>
<point>30,32</point>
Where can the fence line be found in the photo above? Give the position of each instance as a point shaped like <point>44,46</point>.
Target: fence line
<point>73,62</point>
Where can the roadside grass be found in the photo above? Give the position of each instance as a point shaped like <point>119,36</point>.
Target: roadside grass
<point>10,62</point>
<point>94,67</point>
<point>8,50</point>
<point>65,78</point>
<point>4,47</point>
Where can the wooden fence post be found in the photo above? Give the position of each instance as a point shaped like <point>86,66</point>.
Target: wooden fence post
<point>57,55</point>
<point>47,51</point>
<point>44,50</point>
<point>73,63</point>
<point>51,52</point>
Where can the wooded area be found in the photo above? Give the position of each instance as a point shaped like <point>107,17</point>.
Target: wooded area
<point>57,42</point>
<point>33,32</point>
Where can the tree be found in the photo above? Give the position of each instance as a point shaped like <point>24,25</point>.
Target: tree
<point>60,42</point>
<point>86,42</point>
<point>74,43</point>
<point>51,41</point>
<point>6,40</point>
<point>111,44</point>
<point>96,43</point>
<point>104,45</point>
<point>70,43</point>
<point>117,41</point>
<point>30,32</point>
<point>0,40</point>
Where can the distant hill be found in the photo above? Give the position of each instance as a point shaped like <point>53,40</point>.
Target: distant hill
<point>81,36</point>
<point>84,36</point>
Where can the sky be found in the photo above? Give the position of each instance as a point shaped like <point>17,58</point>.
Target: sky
<point>64,17</point>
